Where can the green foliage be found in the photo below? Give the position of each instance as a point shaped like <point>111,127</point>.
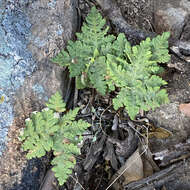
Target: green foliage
<point>85,57</point>
<point>56,103</point>
<point>65,146</point>
<point>38,133</point>
<point>134,72</point>
<point>100,61</point>
<point>46,131</point>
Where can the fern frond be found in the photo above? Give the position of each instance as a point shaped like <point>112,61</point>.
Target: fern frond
<point>97,73</point>
<point>119,45</point>
<point>38,133</point>
<point>94,32</point>
<point>159,48</point>
<point>45,131</point>
<point>62,168</point>
<point>134,73</point>
<point>63,58</point>
<point>65,146</point>
<point>79,55</point>
<point>142,96</point>
<point>56,103</point>
<point>69,117</point>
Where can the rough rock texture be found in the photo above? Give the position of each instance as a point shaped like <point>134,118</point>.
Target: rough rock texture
<point>174,16</point>
<point>138,13</point>
<point>31,32</point>
<point>171,15</point>
<point>184,44</point>
<point>169,116</point>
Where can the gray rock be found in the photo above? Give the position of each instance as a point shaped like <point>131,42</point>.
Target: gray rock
<point>171,15</point>
<point>171,19</point>
<point>184,48</point>
<point>185,36</point>
<point>31,32</point>
<point>169,116</point>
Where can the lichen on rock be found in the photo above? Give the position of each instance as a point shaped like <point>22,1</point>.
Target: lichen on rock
<point>16,61</point>
<point>31,32</point>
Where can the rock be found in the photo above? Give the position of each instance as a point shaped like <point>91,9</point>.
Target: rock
<point>31,32</point>
<point>170,117</point>
<point>171,15</point>
<point>184,48</point>
<point>185,109</point>
<point>170,19</point>
<point>174,16</point>
<point>167,113</point>
<point>185,36</point>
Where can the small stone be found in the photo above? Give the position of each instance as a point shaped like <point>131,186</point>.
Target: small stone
<point>184,48</point>
<point>34,112</point>
<point>185,108</point>
<point>56,115</point>
<point>171,19</point>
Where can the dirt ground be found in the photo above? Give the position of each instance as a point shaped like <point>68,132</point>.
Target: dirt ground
<point>138,13</point>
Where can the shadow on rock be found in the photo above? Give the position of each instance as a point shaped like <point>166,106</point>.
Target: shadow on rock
<point>32,176</point>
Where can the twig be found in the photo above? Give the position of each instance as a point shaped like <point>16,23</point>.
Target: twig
<point>77,182</point>
<point>158,179</point>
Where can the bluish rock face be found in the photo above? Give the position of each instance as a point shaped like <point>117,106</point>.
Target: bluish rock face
<point>15,61</point>
<point>40,91</point>
<point>31,32</point>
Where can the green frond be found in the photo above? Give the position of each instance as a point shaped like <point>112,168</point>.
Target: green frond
<point>62,58</point>
<point>119,45</point>
<point>80,56</point>
<point>37,135</point>
<point>56,103</point>
<point>134,73</point>
<point>69,117</point>
<point>65,146</point>
<point>46,131</point>
<point>97,73</point>
<point>94,32</point>
<point>159,48</point>
<point>62,169</point>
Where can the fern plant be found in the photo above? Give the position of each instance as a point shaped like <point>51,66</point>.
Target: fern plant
<point>134,70</point>
<point>85,57</point>
<point>107,63</point>
<point>46,131</point>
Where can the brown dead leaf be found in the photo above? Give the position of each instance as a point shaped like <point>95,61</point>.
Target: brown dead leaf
<point>159,133</point>
<point>164,188</point>
<point>185,108</point>
<point>147,168</point>
<point>134,169</point>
